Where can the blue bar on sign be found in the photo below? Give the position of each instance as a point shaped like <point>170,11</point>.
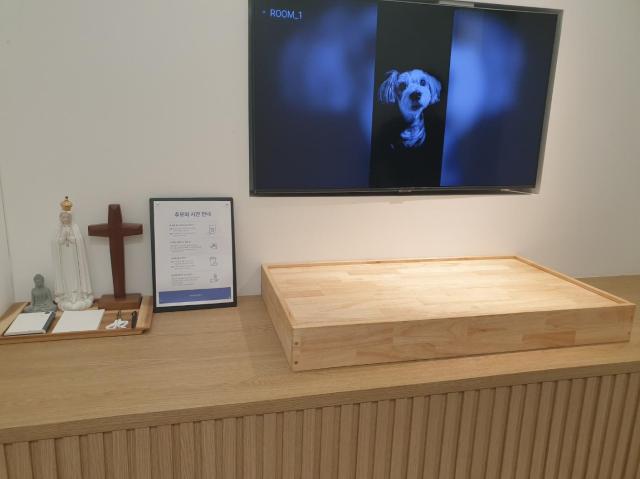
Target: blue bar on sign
<point>193,295</point>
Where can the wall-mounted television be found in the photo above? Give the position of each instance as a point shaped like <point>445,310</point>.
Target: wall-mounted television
<point>384,97</point>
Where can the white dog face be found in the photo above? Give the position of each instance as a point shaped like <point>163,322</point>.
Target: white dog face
<point>413,91</point>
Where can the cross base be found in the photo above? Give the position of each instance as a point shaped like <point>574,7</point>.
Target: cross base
<point>110,302</point>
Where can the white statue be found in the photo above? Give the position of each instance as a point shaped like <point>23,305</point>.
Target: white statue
<point>73,290</point>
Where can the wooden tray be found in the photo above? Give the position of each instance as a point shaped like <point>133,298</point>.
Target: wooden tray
<point>145,317</point>
<point>365,312</point>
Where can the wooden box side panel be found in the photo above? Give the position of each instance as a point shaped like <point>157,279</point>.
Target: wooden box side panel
<point>583,427</point>
<point>278,314</point>
<point>334,346</point>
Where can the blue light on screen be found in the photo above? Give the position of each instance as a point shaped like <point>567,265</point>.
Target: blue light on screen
<point>487,59</point>
<point>329,66</point>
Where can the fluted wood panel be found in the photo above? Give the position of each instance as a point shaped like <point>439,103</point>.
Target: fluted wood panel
<point>3,464</point>
<point>580,428</point>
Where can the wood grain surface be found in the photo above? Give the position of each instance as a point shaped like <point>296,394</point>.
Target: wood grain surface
<point>352,313</point>
<point>347,293</point>
<point>145,318</point>
<point>428,437</point>
<point>213,364</point>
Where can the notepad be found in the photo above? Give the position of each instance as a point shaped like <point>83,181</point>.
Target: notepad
<point>30,323</point>
<point>72,321</point>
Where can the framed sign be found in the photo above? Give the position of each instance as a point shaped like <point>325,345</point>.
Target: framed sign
<point>193,253</point>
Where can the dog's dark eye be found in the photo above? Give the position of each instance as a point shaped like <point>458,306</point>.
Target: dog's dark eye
<point>423,82</point>
<point>402,86</point>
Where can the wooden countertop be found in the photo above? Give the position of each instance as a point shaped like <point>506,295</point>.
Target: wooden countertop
<point>227,362</point>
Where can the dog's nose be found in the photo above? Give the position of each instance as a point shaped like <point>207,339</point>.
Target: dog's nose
<point>415,96</point>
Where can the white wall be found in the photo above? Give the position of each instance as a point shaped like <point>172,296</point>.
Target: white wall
<point>122,100</point>
<point>6,280</point>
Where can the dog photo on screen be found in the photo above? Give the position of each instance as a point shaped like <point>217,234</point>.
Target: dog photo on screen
<point>412,69</point>
<point>412,91</point>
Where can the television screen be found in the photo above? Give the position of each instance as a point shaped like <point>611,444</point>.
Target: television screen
<point>361,96</point>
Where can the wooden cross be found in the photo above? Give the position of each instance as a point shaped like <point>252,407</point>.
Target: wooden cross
<point>116,231</point>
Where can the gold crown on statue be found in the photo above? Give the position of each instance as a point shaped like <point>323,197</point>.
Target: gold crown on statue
<point>66,204</point>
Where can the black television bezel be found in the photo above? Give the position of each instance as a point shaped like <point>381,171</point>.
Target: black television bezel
<point>418,190</point>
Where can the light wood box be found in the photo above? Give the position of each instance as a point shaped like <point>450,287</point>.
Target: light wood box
<point>365,312</point>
